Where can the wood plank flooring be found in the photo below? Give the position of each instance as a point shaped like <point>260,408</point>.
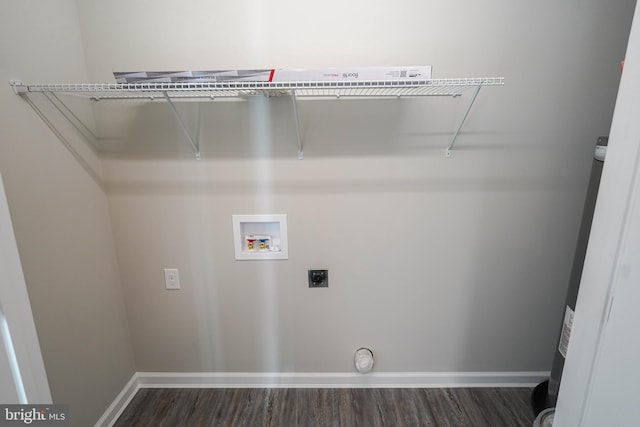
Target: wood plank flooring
<point>366,407</point>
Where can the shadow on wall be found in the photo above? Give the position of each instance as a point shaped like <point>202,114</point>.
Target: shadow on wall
<point>229,129</point>
<point>524,267</point>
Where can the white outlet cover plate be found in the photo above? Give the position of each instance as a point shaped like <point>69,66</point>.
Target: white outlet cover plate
<point>171,278</point>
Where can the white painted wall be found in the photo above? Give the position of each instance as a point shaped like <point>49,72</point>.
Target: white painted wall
<point>61,220</point>
<point>600,379</point>
<point>436,264</point>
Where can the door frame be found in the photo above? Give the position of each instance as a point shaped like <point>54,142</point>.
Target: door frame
<point>613,224</point>
<point>26,363</point>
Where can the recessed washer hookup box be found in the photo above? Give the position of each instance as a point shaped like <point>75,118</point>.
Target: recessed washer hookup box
<point>422,72</point>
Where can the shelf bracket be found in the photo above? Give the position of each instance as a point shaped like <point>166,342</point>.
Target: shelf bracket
<point>295,115</point>
<point>23,93</point>
<point>466,113</point>
<point>18,87</point>
<point>195,147</point>
<point>71,117</point>
<point>21,89</point>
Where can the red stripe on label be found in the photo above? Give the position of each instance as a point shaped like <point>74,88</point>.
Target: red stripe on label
<point>271,75</point>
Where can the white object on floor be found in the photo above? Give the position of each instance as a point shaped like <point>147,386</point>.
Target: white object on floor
<point>364,360</point>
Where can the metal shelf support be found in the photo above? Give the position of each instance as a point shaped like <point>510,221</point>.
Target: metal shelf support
<point>71,117</point>
<point>464,118</point>
<point>194,145</point>
<point>295,115</point>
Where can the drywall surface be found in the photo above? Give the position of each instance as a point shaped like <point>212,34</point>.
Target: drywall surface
<point>61,221</point>
<point>435,264</point>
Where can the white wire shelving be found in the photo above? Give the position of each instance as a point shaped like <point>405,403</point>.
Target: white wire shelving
<point>203,90</point>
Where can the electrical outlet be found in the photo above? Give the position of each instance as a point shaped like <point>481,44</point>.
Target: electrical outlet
<point>318,278</point>
<point>171,278</point>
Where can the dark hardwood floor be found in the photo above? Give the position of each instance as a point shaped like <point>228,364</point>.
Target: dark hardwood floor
<point>367,407</point>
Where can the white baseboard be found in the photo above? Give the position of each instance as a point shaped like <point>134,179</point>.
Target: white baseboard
<point>338,380</point>
<point>314,380</point>
<point>121,401</point>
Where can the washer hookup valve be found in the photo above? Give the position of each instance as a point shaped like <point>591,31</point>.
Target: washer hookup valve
<point>250,243</point>
<point>263,242</point>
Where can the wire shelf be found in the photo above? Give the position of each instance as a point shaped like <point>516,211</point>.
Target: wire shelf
<point>303,89</point>
<point>206,90</point>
